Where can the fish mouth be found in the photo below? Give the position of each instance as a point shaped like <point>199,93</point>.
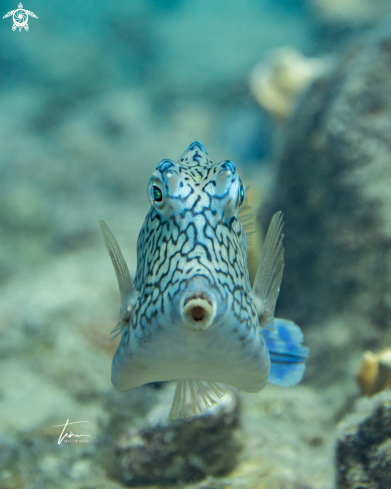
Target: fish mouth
<point>198,311</point>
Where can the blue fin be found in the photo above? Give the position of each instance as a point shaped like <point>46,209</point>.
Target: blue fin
<point>287,354</point>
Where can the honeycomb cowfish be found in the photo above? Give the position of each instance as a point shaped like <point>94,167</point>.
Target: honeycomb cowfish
<point>191,314</point>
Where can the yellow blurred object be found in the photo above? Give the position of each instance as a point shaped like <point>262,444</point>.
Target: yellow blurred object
<point>277,82</point>
<point>375,372</point>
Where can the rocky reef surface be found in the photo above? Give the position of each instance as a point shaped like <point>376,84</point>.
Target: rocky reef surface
<point>81,130</point>
<point>161,450</point>
<point>363,451</point>
<point>55,364</point>
<point>333,182</point>
<point>333,185</point>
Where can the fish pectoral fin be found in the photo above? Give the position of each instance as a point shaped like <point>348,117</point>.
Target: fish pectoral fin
<point>128,292</point>
<point>125,313</point>
<point>201,397</point>
<point>119,327</point>
<point>125,282</point>
<point>269,274</point>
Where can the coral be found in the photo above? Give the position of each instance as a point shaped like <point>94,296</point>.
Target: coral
<point>363,451</point>
<point>277,82</point>
<point>375,372</point>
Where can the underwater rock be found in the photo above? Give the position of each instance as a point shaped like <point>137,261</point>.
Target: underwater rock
<point>159,450</point>
<point>333,185</point>
<point>363,452</point>
<point>9,455</point>
<point>375,372</point>
<point>277,82</point>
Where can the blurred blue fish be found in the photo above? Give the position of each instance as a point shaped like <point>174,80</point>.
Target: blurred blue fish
<point>191,314</point>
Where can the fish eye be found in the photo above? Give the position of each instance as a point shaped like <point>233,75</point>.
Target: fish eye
<point>242,194</point>
<point>157,194</point>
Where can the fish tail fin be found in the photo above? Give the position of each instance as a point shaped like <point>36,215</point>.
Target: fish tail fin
<point>287,354</point>
<point>198,392</point>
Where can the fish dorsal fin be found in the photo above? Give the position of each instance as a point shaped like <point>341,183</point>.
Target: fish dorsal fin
<point>269,274</point>
<point>247,218</point>
<point>199,394</point>
<point>127,290</point>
